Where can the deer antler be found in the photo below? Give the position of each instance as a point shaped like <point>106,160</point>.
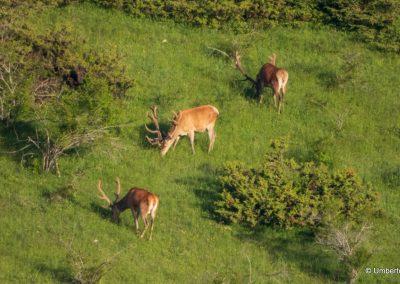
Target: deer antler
<point>160,136</point>
<point>118,189</point>
<point>272,59</point>
<point>103,196</point>
<point>238,66</point>
<point>176,117</point>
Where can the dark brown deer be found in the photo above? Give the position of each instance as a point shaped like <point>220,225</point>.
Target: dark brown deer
<point>185,122</point>
<point>269,75</point>
<point>140,201</point>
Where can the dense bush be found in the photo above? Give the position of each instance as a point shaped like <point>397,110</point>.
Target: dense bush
<point>285,193</point>
<point>374,21</point>
<point>54,95</point>
<point>218,13</point>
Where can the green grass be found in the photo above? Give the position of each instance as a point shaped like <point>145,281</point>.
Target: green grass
<point>189,246</point>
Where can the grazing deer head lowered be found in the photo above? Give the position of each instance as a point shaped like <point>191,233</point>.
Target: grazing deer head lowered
<point>269,75</point>
<point>140,201</point>
<point>185,122</point>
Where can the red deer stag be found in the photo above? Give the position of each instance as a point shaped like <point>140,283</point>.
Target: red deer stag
<point>269,75</point>
<point>185,122</point>
<point>140,201</point>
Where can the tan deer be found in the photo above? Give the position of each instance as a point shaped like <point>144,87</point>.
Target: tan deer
<point>140,201</point>
<point>269,75</point>
<point>185,122</point>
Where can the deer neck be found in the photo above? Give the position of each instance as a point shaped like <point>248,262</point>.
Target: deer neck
<point>121,205</point>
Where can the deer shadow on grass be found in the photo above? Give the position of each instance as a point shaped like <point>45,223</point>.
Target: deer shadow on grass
<point>249,92</point>
<point>246,89</point>
<point>104,213</point>
<point>297,247</point>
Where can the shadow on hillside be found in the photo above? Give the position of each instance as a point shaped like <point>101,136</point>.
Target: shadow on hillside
<point>15,141</point>
<point>328,79</point>
<point>298,248</point>
<point>205,187</point>
<point>390,174</point>
<point>60,274</point>
<point>317,150</point>
<point>17,149</point>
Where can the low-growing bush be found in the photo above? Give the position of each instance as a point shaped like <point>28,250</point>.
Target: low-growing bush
<point>285,193</point>
<point>373,21</point>
<point>55,95</point>
<point>64,193</point>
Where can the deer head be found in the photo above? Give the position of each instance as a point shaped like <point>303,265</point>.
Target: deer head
<point>112,205</point>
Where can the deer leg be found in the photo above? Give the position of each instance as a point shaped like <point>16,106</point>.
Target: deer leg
<point>259,88</point>
<point>136,217</point>
<point>146,225</point>
<point>283,92</point>
<point>211,136</point>
<point>191,138</point>
<point>284,88</point>
<point>176,141</point>
<point>282,98</point>
<point>153,218</point>
<point>279,98</point>
<point>152,225</point>
<point>279,104</point>
<point>275,98</point>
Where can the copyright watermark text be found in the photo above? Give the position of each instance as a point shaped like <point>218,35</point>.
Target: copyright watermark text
<point>379,270</point>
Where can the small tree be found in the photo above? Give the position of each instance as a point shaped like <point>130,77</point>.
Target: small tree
<point>348,244</point>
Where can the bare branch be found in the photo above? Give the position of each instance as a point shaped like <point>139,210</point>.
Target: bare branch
<point>118,189</point>
<point>219,51</point>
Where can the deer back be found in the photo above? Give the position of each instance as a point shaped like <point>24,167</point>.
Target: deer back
<point>194,119</point>
<point>267,73</point>
<point>139,199</point>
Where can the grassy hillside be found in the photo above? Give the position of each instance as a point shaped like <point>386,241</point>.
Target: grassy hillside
<point>346,117</point>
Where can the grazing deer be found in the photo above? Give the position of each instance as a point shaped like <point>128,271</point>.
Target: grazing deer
<point>269,75</point>
<point>185,122</point>
<point>140,201</point>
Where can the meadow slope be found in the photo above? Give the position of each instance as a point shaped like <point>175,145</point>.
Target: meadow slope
<point>352,122</point>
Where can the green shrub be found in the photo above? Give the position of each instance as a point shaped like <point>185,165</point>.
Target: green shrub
<point>374,21</point>
<point>218,13</point>
<point>55,95</point>
<point>285,193</point>
<point>64,193</point>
